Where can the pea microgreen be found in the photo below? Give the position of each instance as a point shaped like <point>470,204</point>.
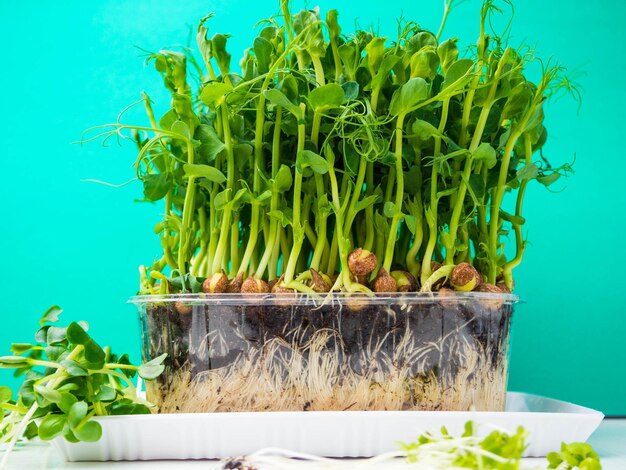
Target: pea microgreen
<point>326,142</point>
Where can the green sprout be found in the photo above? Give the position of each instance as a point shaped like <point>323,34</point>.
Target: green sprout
<point>68,380</point>
<point>325,143</point>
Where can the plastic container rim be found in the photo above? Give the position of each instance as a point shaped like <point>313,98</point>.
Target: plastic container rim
<point>317,299</point>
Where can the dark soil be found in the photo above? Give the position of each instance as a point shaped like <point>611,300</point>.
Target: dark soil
<point>215,336</point>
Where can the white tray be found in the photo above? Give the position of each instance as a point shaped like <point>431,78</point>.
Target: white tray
<point>323,433</point>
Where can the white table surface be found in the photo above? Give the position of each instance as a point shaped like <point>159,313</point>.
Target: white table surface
<point>609,441</point>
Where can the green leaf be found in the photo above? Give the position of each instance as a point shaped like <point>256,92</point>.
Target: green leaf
<point>390,209</point>
<point>204,171</point>
<point>51,315</point>
<point>182,129</point>
<point>277,98</point>
<point>387,64</point>
<point>334,30</point>
<point>42,334</point>
<point>458,75</point>
<point>375,50</point>
<point>124,359</point>
<point>76,334</point>
<point>351,160</point>
<point>263,197</point>
<point>66,402</point>
<point>424,130</point>
<point>284,217</point>
<point>91,431</point>
<point>106,394</point>
<point>448,53</point>
<point>350,90</point>
<point>518,101</point>
<point>366,202</point>
<point>152,369</point>
<point>549,179</point>
<point>77,413</point>
<point>168,119</point>
<point>94,354</point>
<point>55,352</point>
<point>326,97</point>
<point>424,63</point>
<point>263,50</point>
<point>283,180</point>
<point>12,361</point>
<point>309,159</point>
<point>26,392</point>
<point>5,396</point>
<point>408,96</point>
<point>156,185</point>
<point>213,94</point>
<point>21,348</point>
<point>218,48</point>
<point>289,87</point>
<point>74,369</point>
<point>413,180</point>
<point>528,172</point>
<point>49,394</point>
<point>476,185</point>
<point>486,153</point>
<point>55,335</point>
<point>222,198</point>
<point>52,426</point>
<point>129,409</point>
<point>210,144</point>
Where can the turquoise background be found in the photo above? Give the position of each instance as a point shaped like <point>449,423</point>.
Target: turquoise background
<point>70,65</point>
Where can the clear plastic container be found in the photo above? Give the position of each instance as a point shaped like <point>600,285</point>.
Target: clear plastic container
<point>279,352</point>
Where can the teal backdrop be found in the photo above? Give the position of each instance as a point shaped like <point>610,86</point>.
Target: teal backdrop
<point>74,64</point>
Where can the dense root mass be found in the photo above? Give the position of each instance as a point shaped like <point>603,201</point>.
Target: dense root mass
<point>440,355</point>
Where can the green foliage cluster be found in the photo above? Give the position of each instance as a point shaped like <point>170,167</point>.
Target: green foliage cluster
<point>68,379</point>
<point>325,142</point>
<point>499,450</point>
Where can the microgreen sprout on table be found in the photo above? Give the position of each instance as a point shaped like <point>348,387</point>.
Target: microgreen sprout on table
<point>68,380</point>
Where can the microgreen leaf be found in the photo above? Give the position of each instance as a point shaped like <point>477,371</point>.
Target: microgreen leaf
<point>5,394</point>
<point>263,50</point>
<point>49,394</point>
<point>156,186</point>
<point>486,153</point>
<point>458,75</point>
<point>21,348</point>
<point>205,171</point>
<point>408,96</point>
<point>152,369</point>
<point>55,335</point>
<point>66,402</point>
<point>51,315</point>
<point>528,172</point>
<point>326,97</point>
<point>74,368</point>
<point>279,99</point>
<point>213,94</point>
<point>13,361</point>
<point>76,334</point>
<point>210,144</point>
<point>91,431</point>
<point>52,426</point>
<point>350,90</point>
<point>77,413</point>
<point>307,158</point>
<point>283,180</point>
